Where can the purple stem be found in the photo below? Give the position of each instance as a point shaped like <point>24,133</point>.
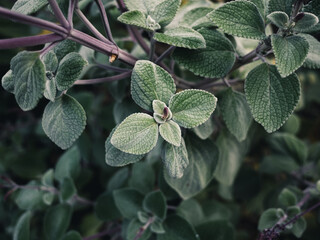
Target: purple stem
<point>46,49</point>
<point>58,14</point>
<point>29,41</point>
<point>105,20</point>
<point>72,4</point>
<point>112,68</point>
<point>33,21</point>
<point>165,54</point>
<point>103,80</point>
<point>121,5</point>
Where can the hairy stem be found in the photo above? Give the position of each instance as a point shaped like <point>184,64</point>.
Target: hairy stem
<point>58,13</point>
<point>72,4</point>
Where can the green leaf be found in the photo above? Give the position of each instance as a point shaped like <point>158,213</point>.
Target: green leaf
<point>63,48</point>
<point>262,6</point>
<point>287,198</point>
<point>171,132</point>
<point>236,113</point>
<point>128,201</point>
<point>69,70</point>
<point>22,228</point>
<point>137,134</point>
<point>219,51</point>
<point>29,199</point>
<point>29,79</point>
<point>133,229</point>
<point>117,158</point>
<point>68,165</point>
<point>191,211</point>
<point>47,178</point>
<point>72,235</point>
<point>28,6</point>
<point>157,227</point>
<point>230,159</point>
<point>181,37</point>
<point>56,221</point>
<point>275,164</point>
<point>269,218</point>
<point>165,11</point>
<point>67,189</point>
<point>239,18</point>
<point>150,82</point>
<point>194,17</point>
<point>146,6</point>
<point>282,5</point>
<point>176,228</point>
<point>191,108</point>
<point>139,19</point>
<point>106,209</point>
<point>123,109</point>
<point>143,217</point>
<point>50,60</point>
<point>299,227</point>
<point>50,90</point>
<point>308,21</point>
<point>142,177</point>
<point>204,130</point>
<point>280,19</point>
<point>175,159</point>
<point>119,179</point>
<point>7,82</point>
<point>290,53</point>
<point>203,156</point>
<point>313,58</point>
<point>210,230</point>
<point>64,121</point>
<point>48,198</point>
<point>155,203</point>
<point>271,98</point>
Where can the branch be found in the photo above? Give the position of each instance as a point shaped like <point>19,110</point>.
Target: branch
<point>112,68</point>
<point>103,80</point>
<point>58,14</point>
<point>121,5</point>
<point>144,228</point>
<point>29,41</point>
<point>72,5</point>
<point>165,54</point>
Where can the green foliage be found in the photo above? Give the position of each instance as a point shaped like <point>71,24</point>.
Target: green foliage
<point>28,7</point>
<point>221,228</point>
<point>284,6</point>
<point>22,229</point>
<point>155,203</point>
<point>280,19</point>
<point>171,132</point>
<point>269,218</point>
<point>313,60</point>
<point>7,82</point>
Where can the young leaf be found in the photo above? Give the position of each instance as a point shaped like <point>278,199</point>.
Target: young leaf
<point>117,158</point>
<point>175,159</point>
<point>236,113</point>
<point>137,134</point>
<point>155,203</point>
<point>290,53</point>
<point>309,20</point>
<point>203,157</point>
<point>280,19</point>
<point>29,79</point>
<point>134,227</point>
<point>64,121</point>
<point>50,60</point>
<point>7,82</point>
<point>139,19</point>
<point>171,132</point>
<point>67,189</point>
<point>22,228</point>
<point>29,199</point>
<point>47,178</point>
<point>69,70</point>
<point>164,12</point>
<point>269,218</point>
<point>282,5</point>
<point>313,58</point>
<point>176,228</point>
<point>271,98</point>
<point>190,108</point>
<point>150,82</point>
<point>50,90</point>
<point>157,227</point>
<point>56,221</point>
<point>219,51</point>
<point>128,201</point>
<point>181,37</point>
<point>287,198</point>
<point>28,6</point>
<point>299,227</point>
<point>239,18</point>
<point>158,106</point>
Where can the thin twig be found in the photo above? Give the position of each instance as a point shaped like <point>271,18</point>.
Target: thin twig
<point>112,68</point>
<point>72,4</point>
<point>144,228</point>
<point>165,54</point>
<point>47,49</point>
<point>103,80</point>
<point>58,14</point>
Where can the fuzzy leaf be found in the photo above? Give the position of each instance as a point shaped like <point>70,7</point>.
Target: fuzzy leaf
<point>191,108</point>
<point>203,157</point>
<point>308,21</point>
<point>68,165</point>
<point>269,218</point>
<point>155,203</point>
<point>69,70</point>
<point>290,53</point>
<point>193,17</point>
<point>313,7</point>
<point>181,37</point>
<point>7,82</point>
<point>22,228</point>
<point>150,82</point>
<point>50,60</point>
<point>165,11</point>
<point>134,227</point>
<point>271,98</point>
<point>50,90</point>
<point>64,48</point>
<point>236,113</point>
<point>313,58</point>
<point>117,158</point>
<point>214,61</point>
<point>67,189</point>
<point>175,159</point>
<point>146,6</point>
<point>64,121</point>
<point>204,130</point>
<point>280,19</point>
<point>28,6</point>
<point>262,6</point>
<point>139,19</point>
<point>171,132</point>
<point>29,79</point>
<point>280,5</point>
<point>137,134</point>
<point>239,18</point>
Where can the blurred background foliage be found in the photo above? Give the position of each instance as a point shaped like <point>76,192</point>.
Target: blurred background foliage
<point>26,154</point>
